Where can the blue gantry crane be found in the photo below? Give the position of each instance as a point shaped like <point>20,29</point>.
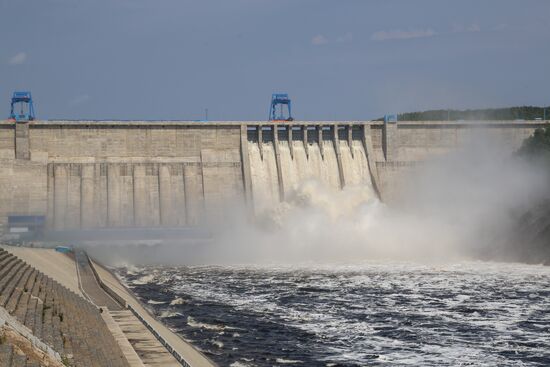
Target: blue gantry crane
<point>277,108</point>
<point>22,108</point>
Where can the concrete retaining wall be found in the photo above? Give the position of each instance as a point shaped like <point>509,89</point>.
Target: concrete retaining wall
<point>12,322</point>
<point>88,174</point>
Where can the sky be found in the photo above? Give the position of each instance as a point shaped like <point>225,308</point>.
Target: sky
<point>338,59</point>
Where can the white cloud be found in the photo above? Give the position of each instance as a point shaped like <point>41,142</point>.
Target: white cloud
<point>83,98</point>
<point>474,28</point>
<point>18,58</point>
<point>346,38</point>
<point>319,40</point>
<point>460,28</point>
<point>398,34</point>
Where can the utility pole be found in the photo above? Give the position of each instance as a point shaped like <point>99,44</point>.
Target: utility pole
<point>206,114</point>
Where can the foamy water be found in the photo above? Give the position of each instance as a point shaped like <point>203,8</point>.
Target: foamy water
<point>471,313</point>
<point>300,166</point>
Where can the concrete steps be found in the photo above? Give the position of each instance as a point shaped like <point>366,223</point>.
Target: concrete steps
<point>149,349</point>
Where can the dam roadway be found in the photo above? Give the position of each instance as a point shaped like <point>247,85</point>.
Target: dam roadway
<point>128,174</point>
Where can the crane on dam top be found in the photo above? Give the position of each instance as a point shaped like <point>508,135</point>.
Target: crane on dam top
<point>277,108</point>
<point>19,101</point>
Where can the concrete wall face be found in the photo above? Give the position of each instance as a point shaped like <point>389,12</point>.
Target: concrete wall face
<point>87,195</point>
<point>7,141</point>
<point>139,174</point>
<point>23,188</point>
<point>93,174</point>
<point>150,140</point>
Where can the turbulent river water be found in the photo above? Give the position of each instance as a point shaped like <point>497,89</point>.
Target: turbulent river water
<point>471,313</point>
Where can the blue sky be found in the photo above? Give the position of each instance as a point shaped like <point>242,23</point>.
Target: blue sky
<point>338,60</point>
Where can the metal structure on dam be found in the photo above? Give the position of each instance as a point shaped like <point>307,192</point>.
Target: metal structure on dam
<point>97,174</point>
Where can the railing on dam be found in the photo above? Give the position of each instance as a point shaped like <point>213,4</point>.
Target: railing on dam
<point>136,313</point>
<point>159,337</point>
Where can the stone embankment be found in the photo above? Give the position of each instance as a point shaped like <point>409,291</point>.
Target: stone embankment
<point>58,309</point>
<point>64,321</point>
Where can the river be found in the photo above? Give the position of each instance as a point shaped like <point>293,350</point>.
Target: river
<point>372,313</point>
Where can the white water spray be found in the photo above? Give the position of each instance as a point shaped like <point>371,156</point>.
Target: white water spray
<point>459,205</point>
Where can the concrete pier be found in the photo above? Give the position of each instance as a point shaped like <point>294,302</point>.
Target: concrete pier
<point>167,217</point>
<point>60,196</point>
<point>113,195</point>
<point>305,141</point>
<point>22,148</point>
<point>87,209</point>
<point>194,194</point>
<point>369,149</point>
<point>280,177</point>
<point>320,141</point>
<point>336,141</point>
<point>245,159</point>
<point>139,196</point>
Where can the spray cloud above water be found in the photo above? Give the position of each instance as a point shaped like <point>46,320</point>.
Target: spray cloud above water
<point>457,205</point>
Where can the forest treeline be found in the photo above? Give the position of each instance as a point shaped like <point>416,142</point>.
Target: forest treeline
<point>509,113</point>
<point>530,240</point>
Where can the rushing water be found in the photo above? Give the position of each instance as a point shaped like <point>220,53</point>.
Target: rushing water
<point>299,166</point>
<point>370,314</point>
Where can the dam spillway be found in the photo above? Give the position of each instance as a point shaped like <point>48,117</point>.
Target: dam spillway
<point>333,155</point>
<point>97,174</point>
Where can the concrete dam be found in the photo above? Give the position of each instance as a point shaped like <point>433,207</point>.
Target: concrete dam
<point>98,174</point>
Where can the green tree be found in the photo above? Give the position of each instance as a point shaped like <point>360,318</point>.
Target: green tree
<point>508,113</point>
<point>537,146</point>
